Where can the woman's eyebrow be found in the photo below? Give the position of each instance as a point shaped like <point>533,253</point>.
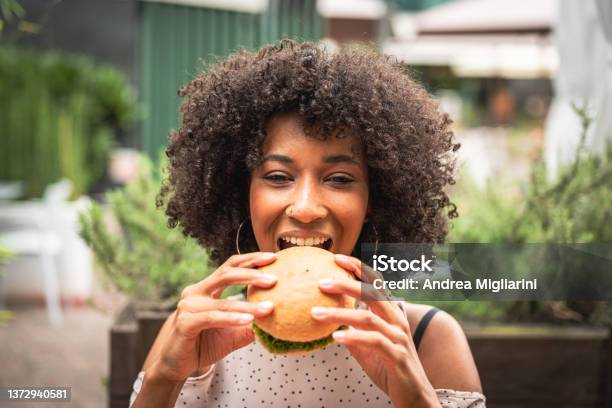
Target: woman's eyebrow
<point>336,158</point>
<point>277,157</point>
<point>340,158</point>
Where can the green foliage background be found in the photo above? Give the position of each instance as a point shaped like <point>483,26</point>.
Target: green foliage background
<point>575,208</point>
<point>59,117</point>
<point>145,259</point>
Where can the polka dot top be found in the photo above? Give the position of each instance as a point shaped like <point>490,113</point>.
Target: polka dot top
<point>328,377</point>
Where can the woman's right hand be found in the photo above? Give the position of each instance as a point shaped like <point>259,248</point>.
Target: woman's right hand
<point>205,328</point>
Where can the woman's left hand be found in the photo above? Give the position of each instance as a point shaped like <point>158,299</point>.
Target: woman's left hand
<point>379,338</point>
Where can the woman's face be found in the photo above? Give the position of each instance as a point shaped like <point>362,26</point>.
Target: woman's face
<point>308,191</point>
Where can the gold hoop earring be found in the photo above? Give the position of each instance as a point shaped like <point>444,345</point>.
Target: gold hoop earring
<point>375,235</point>
<point>238,235</point>
<point>376,241</point>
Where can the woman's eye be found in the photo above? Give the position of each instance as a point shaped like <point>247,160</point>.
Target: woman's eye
<point>340,180</point>
<point>277,178</point>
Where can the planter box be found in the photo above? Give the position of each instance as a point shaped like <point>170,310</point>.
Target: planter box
<point>544,366</point>
<point>131,337</point>
<point>520,365</point>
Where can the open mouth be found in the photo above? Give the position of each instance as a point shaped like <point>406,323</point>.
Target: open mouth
<point>288,242</point>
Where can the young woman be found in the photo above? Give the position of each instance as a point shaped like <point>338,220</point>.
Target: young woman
<point>292,145</point>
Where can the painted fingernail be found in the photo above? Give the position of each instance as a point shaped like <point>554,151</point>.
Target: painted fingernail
<point>318,311</point>
<point>268,255</point>
<point>326,283</point>
<point>341,257</point>
<point>245,318</point>
<point>264,306</point>
<point>268,278</point>
<point>339,335</point>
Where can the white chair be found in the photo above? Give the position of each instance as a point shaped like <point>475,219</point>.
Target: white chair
<point>32,229</point>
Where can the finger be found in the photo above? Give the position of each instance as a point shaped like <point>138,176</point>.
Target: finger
<point>241,336</point>
<point>395,353</point>
<point>226,276</point>
<point>191,324</point>
<point>359,290</point>
<point>374,298</point>
<point>361,319</point>
<point>250,260</point>
<point>197,304</point>
<point>346,263</point>
<point>382,300</point>
<point>238,337</point>
<point>358,268</point>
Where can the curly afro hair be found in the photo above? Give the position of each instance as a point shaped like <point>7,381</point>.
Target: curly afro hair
<point>407,141</point>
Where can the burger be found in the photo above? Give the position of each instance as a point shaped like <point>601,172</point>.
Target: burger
<point>290,328</point>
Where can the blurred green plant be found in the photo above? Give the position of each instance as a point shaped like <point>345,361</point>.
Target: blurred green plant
<point>146,259</point>
<point>59,116</point>
<point>11,10</point>
<point>573,208</point>
<point>13,22</point>
<point>570,209</point>
<point>5,254</point>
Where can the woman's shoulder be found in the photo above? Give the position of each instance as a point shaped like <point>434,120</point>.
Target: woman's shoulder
<point>438,322</point>
<point>444,350</point>
<point>415,313</point>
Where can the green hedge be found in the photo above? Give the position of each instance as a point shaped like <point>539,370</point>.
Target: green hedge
<point>145,259</point>
<point>59,117</point>
<point>574,208</point>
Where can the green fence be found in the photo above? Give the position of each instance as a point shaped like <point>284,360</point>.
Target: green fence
<point>177,39</point>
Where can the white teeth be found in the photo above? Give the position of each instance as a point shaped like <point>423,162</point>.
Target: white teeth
<point>305,241</point>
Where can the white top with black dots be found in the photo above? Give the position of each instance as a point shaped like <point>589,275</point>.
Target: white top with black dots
<point>328,377</point>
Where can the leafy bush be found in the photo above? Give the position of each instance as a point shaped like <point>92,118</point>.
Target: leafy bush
<point>575,208</point>
<point>146,260</point>
<point>572,208</point>
<point>59,116</point>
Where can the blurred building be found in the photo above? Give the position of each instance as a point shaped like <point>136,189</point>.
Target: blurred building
<point>491,64</point>
<point>498,54</point>
<point>584,38</point>
<point>354,21</point>
<point>482,38</point>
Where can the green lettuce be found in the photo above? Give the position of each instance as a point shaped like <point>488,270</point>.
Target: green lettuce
<point>278,346</point>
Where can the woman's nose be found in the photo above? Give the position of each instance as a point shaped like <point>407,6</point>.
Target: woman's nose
<point>306,205</point>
